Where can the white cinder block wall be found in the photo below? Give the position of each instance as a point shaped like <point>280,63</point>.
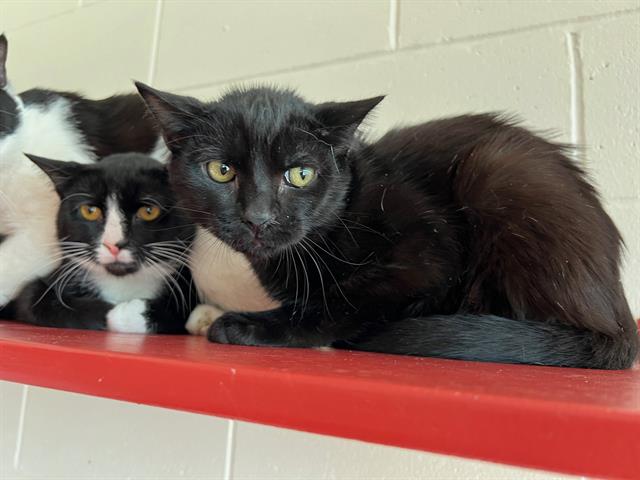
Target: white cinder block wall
<point>567,65</point>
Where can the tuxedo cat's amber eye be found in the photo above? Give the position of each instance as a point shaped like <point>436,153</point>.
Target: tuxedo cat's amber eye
<point>148,213</point>
<point>90,212</point>
<point>220,172</point>
<point>300,176</point>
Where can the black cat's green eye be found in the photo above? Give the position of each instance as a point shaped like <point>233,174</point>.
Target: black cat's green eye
<point>300,177</point>
<point>220,172</point>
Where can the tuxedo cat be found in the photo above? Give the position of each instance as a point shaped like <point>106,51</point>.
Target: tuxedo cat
<point>467,238</point>
<point>57,125</point>
<point>125,247</point>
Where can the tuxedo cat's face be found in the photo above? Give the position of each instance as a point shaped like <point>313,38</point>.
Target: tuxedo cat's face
<point>119,214</point>
<point>260,168</point>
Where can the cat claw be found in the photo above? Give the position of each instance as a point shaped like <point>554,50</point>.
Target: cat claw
<point>201,319</point>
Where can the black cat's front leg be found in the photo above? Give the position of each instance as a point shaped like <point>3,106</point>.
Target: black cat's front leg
<point>38,304</point>
<point>285,327</point>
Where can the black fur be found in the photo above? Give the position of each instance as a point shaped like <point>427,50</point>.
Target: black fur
<point>468,237</point>
<point>74,300</point>
<point>117,124</point>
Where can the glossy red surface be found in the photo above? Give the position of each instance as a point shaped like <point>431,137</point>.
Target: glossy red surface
<point>569,420</point>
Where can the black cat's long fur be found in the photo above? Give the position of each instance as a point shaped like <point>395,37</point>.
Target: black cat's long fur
<point>76,294</point>
<point>467,238</point>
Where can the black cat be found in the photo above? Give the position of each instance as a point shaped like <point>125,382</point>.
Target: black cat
<point>124,248</point>
<point>467,238</point>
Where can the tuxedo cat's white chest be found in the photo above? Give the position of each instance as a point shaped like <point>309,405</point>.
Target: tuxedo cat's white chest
<point>145,284</point>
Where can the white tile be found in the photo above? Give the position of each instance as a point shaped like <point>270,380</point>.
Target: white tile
<point>525,74</point>
<point>75,436</point>
<point>203,42</point>
<point>263,453</point>
<point>626,215</point>
<point>10,401</point>
<point>612,104</point>
<point>96,50</point>
<point>15,14</point>
<point>434,21</point>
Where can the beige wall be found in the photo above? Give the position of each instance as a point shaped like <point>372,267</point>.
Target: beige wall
<point>567,65</point>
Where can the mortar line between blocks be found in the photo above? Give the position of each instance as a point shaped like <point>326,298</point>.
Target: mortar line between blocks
<point>393,27</point>
<point>381,54</point>
<point>20,434</point>
<point>155,43</point>
<point>230,450</point>
<point>578,136</point>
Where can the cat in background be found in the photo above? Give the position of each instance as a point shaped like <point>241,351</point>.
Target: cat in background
<point>57,125</point>
<point>124,245</point>
<point>467,237</point>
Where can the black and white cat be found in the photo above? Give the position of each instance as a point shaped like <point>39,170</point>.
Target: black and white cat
<point>124,245</point>
<point>55,125</point>
<point>468,237</point>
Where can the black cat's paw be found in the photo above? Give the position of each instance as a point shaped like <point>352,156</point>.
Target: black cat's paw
<point>237,329</point>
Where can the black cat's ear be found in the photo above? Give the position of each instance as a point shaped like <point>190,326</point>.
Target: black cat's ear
<point>174,113</point>
<point>59,172</point>
<point>4,52</point>
<point>345,116</point>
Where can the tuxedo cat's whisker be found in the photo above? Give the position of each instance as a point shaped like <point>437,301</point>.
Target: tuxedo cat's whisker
<point>81,263</point>
<point>74,195</point>
<point>171,284</point>
<point>60,276</point>
<point>173,256</point>
<point>193,210</point>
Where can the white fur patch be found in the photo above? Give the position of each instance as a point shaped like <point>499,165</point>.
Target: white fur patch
<point>224,277</point>
<point>160,151</point>
<point>145,284</point>
<point>113,234</point>
<point>28,203</point>
<point>201,318</point>
<point>128,317</point>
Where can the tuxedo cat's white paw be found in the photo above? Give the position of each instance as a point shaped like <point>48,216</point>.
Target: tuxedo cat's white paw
<point>128,317</point>
<point>201,319</point>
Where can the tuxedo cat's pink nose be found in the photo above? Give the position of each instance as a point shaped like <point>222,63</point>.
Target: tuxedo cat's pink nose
<point>114,249</point>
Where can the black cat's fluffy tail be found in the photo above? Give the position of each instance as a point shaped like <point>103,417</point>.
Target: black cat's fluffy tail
<point>490,338</point>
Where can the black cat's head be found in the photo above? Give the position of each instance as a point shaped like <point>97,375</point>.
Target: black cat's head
<point>10,104</point>
<point>260,168</point>
<point>118,215</point>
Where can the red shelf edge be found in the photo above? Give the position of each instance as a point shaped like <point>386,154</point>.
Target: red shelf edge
<point>581,441</point>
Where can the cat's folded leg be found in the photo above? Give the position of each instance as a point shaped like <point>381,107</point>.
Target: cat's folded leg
<point>25,256</point>
<point>288,326</point>
<point>39,304</point>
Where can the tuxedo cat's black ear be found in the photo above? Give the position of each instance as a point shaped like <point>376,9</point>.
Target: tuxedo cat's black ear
<point>174,113</point>
<point>4,52</point>
<point>59,172</point>
<point>345,115</point>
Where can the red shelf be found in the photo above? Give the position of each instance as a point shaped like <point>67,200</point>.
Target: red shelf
<point>569,420</point>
